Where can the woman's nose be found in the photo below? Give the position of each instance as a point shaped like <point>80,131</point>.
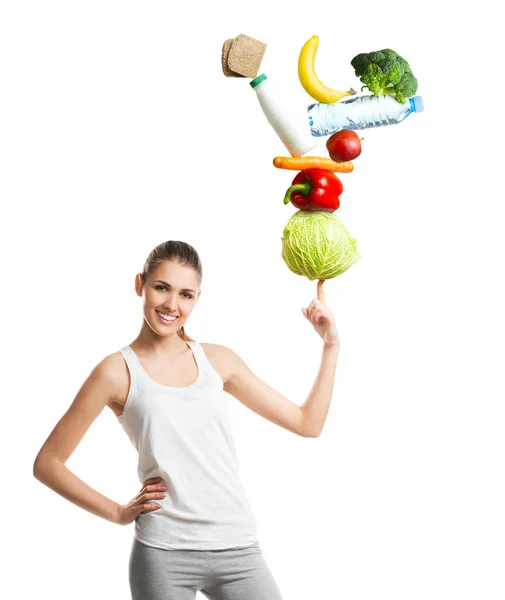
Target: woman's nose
<point>171,304</point>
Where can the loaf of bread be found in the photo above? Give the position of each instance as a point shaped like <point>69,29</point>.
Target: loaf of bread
<point>242,56</point>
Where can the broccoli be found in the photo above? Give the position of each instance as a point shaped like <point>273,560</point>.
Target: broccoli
<point>385,72</point>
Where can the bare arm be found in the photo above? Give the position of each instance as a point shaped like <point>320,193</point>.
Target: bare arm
<point>254,393</point>
<point>49,466</point>
<point>317,405</point>
<point>306,420</point>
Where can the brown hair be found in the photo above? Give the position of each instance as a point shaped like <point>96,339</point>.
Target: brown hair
<point>182,253</point>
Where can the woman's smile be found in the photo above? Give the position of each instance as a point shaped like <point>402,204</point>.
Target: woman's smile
<point>166,319</point>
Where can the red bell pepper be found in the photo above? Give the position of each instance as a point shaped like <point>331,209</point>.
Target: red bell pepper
<point>315,189</point>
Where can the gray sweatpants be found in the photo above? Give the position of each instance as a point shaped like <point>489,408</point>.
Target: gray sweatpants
<point>230,574</point>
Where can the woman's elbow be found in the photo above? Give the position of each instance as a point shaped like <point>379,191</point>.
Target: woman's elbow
<point>42,466</point>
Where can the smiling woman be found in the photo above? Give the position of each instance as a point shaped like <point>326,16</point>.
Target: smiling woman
<point>168,263</point>
<point>168,393</point>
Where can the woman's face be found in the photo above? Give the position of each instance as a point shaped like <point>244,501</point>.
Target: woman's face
<point>171,290</point>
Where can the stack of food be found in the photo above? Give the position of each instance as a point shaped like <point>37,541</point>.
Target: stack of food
<point>315,243</point>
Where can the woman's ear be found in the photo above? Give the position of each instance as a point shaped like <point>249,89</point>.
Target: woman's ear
<point>138,284</point>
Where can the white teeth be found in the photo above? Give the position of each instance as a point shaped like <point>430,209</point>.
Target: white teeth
<point>167,317</point>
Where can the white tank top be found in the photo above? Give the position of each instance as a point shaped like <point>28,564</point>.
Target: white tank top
<point>183,435</point>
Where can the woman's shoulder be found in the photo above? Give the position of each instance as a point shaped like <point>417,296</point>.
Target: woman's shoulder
<point>113,370</point>
<point>113,365</point>
<point>214,348</point>
<point>217,351</point>
<point>221,358</point>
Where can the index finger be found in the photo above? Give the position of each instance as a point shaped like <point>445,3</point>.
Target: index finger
<point>320,292</point>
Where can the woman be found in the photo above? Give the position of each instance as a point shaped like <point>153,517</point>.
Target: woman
<point>194,528</point>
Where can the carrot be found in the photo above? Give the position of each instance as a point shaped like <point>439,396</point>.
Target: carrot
<point>299,163</point>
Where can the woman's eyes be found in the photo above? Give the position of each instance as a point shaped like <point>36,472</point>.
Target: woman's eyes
<point>163,287</point>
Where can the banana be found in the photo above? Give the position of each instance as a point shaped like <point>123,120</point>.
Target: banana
<point>310,81</point>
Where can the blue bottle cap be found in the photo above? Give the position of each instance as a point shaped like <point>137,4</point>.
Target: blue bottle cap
<point>416,104</point>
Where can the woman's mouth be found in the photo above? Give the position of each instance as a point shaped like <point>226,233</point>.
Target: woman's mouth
<point>166,319</point>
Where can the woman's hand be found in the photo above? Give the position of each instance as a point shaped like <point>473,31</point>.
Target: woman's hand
<point>129,512</point>
<point>321,317</point>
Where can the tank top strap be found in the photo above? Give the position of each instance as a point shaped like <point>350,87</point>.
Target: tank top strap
<point>133,365</point>
<point>203,362</point>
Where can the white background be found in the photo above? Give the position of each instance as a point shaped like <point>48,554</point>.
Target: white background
<point>119,131</point>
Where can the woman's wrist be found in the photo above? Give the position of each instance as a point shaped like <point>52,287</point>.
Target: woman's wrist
<point>331,347</point>
<point>116,514</point>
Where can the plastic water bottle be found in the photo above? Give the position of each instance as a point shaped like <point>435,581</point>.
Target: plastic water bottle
<point>289,124</point>
<point>361,112</point>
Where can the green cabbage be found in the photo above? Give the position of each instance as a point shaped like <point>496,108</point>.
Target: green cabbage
<point>316,244</point>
